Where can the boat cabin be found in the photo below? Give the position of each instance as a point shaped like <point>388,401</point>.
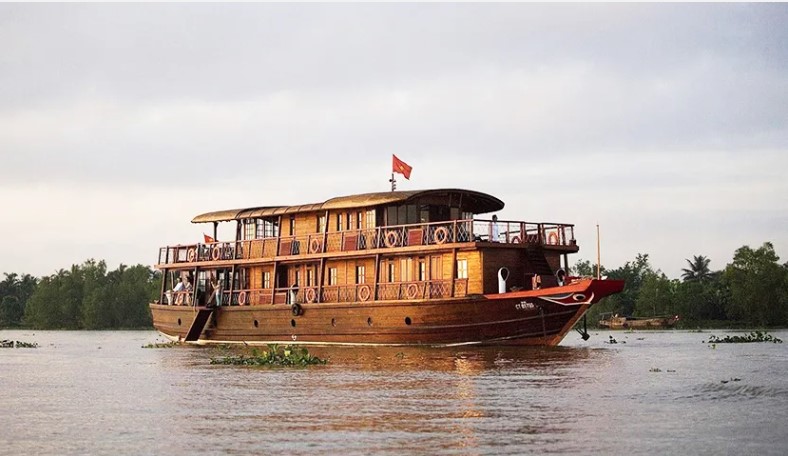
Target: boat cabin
<point>399,245</point>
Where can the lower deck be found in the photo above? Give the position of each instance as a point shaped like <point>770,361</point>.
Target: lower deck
<point>540,317</point>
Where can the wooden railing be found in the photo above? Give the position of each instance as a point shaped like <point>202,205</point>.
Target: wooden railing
<point>430,289</point>
<point>386,237</point>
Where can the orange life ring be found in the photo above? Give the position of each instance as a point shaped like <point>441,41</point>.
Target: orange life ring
<point>412,290</point>
<point>391,238</point>
<point>216,253</point>
<point>438,239</point>
<point>552,238</point>
<point>191,255</point>
<point>363,292</point>
<point>314,245</point>
<point>242,298</point>
<point>309,294</point>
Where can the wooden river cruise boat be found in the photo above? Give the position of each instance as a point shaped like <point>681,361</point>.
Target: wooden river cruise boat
<point>390,268</point>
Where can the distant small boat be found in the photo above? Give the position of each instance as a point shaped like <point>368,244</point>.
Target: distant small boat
<point>611,321</point>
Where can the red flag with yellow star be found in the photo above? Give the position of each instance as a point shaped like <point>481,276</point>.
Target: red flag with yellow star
<point>401,167</point>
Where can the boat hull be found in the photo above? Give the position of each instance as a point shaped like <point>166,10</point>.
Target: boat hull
<point>538,317</point>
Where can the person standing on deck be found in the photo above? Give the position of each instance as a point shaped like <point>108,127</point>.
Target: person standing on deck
<point>217,291</point>
<point>496,234</point>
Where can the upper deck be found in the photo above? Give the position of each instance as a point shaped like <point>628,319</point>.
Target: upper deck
<point>394,238</point>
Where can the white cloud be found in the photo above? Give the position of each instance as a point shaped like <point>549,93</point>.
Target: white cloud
<point>667,124</point>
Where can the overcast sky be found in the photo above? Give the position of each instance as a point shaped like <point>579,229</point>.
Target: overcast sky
<point>666,124</point>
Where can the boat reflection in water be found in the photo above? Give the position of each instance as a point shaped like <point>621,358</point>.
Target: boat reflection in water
<point>396,399</point>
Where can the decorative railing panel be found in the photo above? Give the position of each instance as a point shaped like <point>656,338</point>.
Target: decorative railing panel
<point>388,237</point>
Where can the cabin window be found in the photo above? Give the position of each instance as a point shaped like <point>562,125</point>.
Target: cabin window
<point>339,222</point>
<point>391,271</point>
<point>349,224</point>
<point>332,276</point>
<point>269,227</point>
<point>250,229</point>
<point>267,279</point>
<point>406,214</point>
<point>422,270</point>
<point>292,225</point>
<point>310,277</point>
<point>462,269</point>
<point>371,218</point>
<point>435,271</point>
<point>391,215</point>
<point>359,218</point>
<point>406,269</point>
<point>454,213</point>
<point>361,274</point>
<point>467,215</point>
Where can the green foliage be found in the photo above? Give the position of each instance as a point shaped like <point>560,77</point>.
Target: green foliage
<point>585,268</point>
<point>289,356</point>
<point>89,297</point>
<point>633,274</point>
<point>657,295</point>
<point>14,293</point>
<point>758,287</point>
<point>698,269</point>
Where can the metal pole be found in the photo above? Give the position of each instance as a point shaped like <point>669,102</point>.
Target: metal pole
<point>598,254</point>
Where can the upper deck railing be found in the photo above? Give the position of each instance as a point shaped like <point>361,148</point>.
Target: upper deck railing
<point>385,237</point>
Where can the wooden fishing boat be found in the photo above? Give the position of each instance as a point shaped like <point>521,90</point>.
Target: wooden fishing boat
<point>390,268</point>
<point>615,321</point>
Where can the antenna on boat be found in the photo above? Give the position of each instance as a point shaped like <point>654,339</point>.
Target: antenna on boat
<point>598,254</point>
<point>393,182</point>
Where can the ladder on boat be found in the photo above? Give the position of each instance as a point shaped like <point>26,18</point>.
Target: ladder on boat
<point>200,320</point>
<point>537,259</point>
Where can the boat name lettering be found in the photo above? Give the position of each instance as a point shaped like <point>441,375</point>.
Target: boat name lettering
<point>525,305</point>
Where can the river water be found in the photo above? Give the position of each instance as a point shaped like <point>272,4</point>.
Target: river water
<point>652,393</point>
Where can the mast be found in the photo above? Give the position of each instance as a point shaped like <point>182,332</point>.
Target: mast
<point>598,254</point>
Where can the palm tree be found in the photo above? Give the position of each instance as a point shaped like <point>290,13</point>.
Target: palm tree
<point>698,269</point>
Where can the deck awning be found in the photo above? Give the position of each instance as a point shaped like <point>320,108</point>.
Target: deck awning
<point>471,201</point>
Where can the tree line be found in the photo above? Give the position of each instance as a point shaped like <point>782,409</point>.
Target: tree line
<point>752,290</point>
<point>87,296</point>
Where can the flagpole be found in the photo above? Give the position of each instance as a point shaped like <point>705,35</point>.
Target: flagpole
<point>393,182</point>
<point>598,254</point>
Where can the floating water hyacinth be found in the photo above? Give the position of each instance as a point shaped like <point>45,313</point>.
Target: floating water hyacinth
<point>289,356</point>
<point>161,345</point>
<point>755,336</point>
<point>17,344</point>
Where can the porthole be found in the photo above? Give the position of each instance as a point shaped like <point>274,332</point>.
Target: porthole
<point>579,297</point>
<point>369,321</point>
<point>333,322</point>
<point>407,321</point>
<point>179,322</point>
<point>256,324</point>
<point>292,323</point>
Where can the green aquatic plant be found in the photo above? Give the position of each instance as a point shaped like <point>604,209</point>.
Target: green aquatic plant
<point>161,345</point>
<point>17,344</point>
<point>287,356</point>
<point>755,336</point>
